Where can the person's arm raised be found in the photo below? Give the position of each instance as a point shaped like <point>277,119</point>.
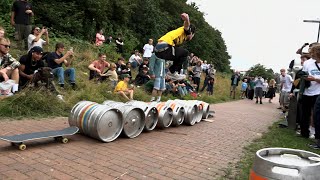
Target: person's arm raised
<point>185,18</point>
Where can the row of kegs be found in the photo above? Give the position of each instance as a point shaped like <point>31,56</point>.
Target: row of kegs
<point>106,121</point>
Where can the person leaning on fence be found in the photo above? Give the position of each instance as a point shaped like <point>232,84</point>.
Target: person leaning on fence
<point>8,65</point>
<point>122,88</point>
<point>167,47</point>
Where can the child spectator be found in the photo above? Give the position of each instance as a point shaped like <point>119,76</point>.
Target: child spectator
<point>244,87</point>
<point>97,67</point>
<point>122,88</point>
<point>112,74</point>
<point>210,86</point>
<point>100,38</point>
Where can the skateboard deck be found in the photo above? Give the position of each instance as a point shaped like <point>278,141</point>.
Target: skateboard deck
<point>56,134</point>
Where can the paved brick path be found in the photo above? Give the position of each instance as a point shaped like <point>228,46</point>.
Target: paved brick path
<point>201,151</point>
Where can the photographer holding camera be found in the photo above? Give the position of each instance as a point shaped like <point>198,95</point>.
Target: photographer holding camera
<point>259,88</point>
<point>34,39</point>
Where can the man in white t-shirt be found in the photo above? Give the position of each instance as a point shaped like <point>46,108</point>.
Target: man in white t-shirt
<point>311,93</point>
<point>286,85</point>
<point>148,49</point>
<point>34,39</point>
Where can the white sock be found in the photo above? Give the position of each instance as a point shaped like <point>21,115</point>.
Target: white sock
<point>15,88</point>
<point>159,99</point>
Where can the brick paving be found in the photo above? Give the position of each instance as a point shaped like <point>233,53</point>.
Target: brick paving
<point>201,151</point>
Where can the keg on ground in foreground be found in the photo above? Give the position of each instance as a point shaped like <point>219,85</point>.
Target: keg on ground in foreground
<point>190,111</point>
<point>133,118</point>
<point>199,113</point>
<point>284,163</point>
<point>206,108</point>
<point>177,112</point>
<point>151,114</point>
<point>165,114</point>
<point>98,121</point>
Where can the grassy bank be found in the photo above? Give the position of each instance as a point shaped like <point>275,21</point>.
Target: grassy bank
<point>41,103</point>
<point>275,137</point>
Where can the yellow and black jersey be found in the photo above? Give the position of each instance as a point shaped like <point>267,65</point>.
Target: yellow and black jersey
<point>175,37</point>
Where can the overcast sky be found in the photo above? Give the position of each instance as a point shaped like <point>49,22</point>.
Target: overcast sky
<point>262,31</point>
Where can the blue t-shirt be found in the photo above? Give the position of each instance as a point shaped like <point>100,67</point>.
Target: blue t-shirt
<point>244,86</point>
<point>51,63</point>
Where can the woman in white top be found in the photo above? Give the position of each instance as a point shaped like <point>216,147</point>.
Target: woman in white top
<point>34,39</point>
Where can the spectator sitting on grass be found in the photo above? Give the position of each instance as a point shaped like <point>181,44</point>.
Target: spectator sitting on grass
<point>112,74</point>
<point>98,67</point>
<point>135,59</point>
<point>143,77</point>
<point>8,65</point>
<point>145,62</point>
<point>100,38</point>
<point>55,61</point>
<point>122,88</point>
<point>121,66</point>
<point>34,39</point>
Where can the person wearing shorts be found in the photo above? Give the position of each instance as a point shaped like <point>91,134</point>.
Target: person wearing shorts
<point>258,89</point>
<point>157,72</point>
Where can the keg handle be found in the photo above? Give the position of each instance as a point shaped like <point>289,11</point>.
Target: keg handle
<point>285,170</point>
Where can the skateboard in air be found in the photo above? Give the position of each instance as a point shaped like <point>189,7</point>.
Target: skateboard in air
<point>58,135</point>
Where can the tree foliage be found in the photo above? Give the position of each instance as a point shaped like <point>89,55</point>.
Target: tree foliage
<point>260,70</point>
<point>136,21</point>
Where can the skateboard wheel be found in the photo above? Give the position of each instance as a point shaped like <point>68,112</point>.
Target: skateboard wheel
<point>22,147</point>
<point>64,140</point>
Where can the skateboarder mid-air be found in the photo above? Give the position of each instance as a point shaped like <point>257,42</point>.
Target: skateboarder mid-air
<point>167,49</point>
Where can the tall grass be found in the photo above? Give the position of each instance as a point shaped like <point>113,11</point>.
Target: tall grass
<point>41,103</point>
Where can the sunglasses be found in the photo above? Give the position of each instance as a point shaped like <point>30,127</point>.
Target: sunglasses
<point>6,46</point>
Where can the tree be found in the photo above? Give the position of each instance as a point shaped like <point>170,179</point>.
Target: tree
<point>260,70</point>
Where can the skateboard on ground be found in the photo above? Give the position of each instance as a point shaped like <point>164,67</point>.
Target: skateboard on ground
<point>58,135</point>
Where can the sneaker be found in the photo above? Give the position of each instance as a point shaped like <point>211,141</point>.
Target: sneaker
<point>176,76</point>
<point>311,136</point>
<point>256,102</point>
<point>314,146</point>
<point>260,102</point>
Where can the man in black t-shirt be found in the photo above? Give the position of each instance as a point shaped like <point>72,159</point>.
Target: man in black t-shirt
<point>21,13</point>
<point>29,64</point>
<point>55,61</point>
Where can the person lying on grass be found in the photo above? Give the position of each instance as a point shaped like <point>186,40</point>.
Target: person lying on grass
<point>122,87</point>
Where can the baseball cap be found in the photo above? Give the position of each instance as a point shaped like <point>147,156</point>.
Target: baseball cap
<point>125,75</point>
<point>36,49</point>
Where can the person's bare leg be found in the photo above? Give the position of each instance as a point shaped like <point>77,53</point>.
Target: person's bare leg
<point>123,95</point>
<point>131,94</point>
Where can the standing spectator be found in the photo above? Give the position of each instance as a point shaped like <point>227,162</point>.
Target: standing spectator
<point>34,39</point>
<point>316,118</point>
<point>311,93</point>
<point>271,90</point>
<point>148,49</point>
<point>121,66</point>
<point>21,13</point>
<point>167,47</point>
<point>210,72</point>
<point>235,78</point>
<point>157,72</point>
<point>197,75</point>
<point>251,86</point>
<point>2,32</point>
<point>97,67</point>
<point>8,65</point>
<point>285,86</point>
<point>29,64</point>
<point>135,59</point>
<point>100,39</point>
<point>119,43</point>
<point>259,89</point>
<point>204,66</point>
<point>55,61</point>
<point>210,86</point>
<point>122,88</point>
<point>265,88</point>
<point>244,87</point>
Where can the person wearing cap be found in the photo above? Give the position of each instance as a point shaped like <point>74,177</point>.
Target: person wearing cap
<point>122,87</point>
<point>8,65</point>
<point>29,64</point>
<point>55,61</point>
<point>168,47</point>
<point>34,39</point>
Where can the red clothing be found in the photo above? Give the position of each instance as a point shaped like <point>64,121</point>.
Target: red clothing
<point>101,65</point>
<point>99,39</point>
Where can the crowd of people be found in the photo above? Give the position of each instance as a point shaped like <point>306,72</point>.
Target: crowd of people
<point>166,66</point>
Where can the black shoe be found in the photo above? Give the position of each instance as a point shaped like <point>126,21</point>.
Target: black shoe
<point>74,86</point>
<point>256,102</point>
<point>260,102</point>
<point>314,146</point>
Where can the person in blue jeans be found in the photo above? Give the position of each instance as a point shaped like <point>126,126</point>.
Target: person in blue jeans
<point>55,61</point>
